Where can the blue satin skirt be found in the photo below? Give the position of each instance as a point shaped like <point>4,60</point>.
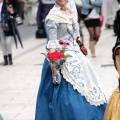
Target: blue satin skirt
<point>62,102</point>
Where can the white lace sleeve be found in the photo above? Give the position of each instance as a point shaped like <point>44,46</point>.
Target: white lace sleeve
<point>53,44</point>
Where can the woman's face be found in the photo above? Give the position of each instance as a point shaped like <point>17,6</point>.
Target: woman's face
<point>61,2</point>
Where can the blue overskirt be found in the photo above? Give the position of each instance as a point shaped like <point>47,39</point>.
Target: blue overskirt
<point>62,102</point>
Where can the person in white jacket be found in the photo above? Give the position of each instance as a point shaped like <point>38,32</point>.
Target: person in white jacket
<point>109,10</point>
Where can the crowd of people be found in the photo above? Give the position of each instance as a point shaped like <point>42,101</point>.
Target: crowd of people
<point>79,94</point>
<point>87,13</point>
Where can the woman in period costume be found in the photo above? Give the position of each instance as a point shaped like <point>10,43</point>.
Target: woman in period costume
<point>79,96</point>
<point>113,109</point>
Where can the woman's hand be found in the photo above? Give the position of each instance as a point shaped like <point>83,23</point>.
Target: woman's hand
<point>52,50</point>
<point>10,8</point>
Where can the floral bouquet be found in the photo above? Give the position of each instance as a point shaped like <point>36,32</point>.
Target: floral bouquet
<point>56,60</point>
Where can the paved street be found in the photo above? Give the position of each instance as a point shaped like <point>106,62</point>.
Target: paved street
<point>19,83</point>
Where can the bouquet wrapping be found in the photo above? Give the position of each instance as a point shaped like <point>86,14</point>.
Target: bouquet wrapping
<point>56,60</point>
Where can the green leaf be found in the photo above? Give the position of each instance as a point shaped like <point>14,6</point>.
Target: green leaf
<point>44,55</point>
<point>66,56</point>
<point>63,50</point>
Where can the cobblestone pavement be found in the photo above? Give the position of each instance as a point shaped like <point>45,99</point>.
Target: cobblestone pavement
<point>19,83</point>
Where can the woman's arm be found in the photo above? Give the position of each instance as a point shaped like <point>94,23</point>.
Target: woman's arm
<point>53,42</point>
<point>96,2</point>
<point>86,4</point>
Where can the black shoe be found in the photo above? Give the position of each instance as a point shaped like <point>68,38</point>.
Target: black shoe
<point>114,35</point>
<point>10,63</point>
<point>5,63</point>
<point>5,60</point>
<point>10,59</point>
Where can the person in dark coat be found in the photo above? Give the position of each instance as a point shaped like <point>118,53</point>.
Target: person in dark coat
<point>43,10</point>
<point>118,1</point>
<point>6,33</point>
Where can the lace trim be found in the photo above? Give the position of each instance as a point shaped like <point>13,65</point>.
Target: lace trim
<point>87,95</point>
<point>53,44</point>
<point>73,73</point>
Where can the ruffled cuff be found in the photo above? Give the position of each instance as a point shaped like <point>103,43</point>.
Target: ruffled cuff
<point>53,44</point>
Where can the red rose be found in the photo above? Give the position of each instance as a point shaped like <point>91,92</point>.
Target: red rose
<point>55,56</point>
<point>61,42</point>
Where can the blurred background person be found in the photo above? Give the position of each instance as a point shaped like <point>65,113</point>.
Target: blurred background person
<point>79,9</point>
<point>43,10</point>
<point>109,9</point>
<point>113,108</point>
<point>115,23</point>
<point>90,14</point>
<point>32,11</point>
<point>6,33</point>
<point>118,1</point>
<point>21,7</point>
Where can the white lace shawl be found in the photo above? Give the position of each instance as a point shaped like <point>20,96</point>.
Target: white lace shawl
<point>79,72</point>
<point>56,15</point>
